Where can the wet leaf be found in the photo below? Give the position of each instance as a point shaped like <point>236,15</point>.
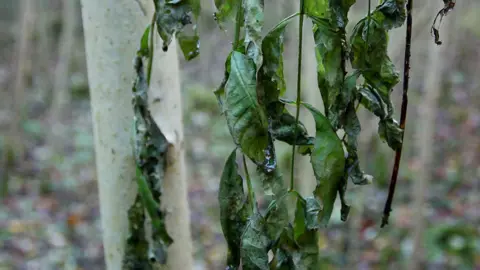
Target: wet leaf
<point>254,17</point>
<point>283,129</point>
<point>339,10</point>
<point>271,81</point>
<point>388,129</point>
<point>245,117</point>
<point>234,209</point>
<point>255,242</point>
<point>173,17</point>
<point>329,52</point>
<point>352,166</point>
<point>328,162</point>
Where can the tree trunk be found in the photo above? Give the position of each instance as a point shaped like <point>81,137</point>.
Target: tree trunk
<point>112,33</point>
<point>61,89</point>
<point>425,141</point>
<point>23,65</point>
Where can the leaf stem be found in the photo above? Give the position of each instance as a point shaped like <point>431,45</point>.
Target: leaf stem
<point>299,90</point>
<point>403,115</point>
<point>251,194</point>
<point>151,48</point>
<point>238,25</point>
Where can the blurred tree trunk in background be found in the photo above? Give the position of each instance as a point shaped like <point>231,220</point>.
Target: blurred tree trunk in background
<point>23,68</point>
<point>13,145</point>
<point>44,50</point>
<point>61,91</point>
<point>113,29</point>
<point>425,129</point>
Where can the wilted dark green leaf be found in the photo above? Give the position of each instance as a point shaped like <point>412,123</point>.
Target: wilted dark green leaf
<point>388,129</point>
<point>352,167</point>
<point>297,247</point>
<point>271,81</point>
<point>328,162</point>
<point>245,117</point>
<point>172,18</point>
<point>329,49</point>
<point>255,242</point>
<point>283,129</point>
<point>234,209</point>
<point>277,218</point>
<point>253,12</point>
<point>393,13</point>
<point>339,10</point>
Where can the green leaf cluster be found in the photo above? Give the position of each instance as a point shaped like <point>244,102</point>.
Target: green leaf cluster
<point>251,97</point>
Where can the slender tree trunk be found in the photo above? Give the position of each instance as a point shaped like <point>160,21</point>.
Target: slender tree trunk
<point>43,51</point>
<point>61,90</point>
<point>23,66</point>
<point>425,140</point>
<point>112,32</point>
<point>165,103</point>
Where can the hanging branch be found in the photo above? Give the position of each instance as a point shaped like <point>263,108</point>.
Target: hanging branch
<point>403,115</point>
<point>449,5</point>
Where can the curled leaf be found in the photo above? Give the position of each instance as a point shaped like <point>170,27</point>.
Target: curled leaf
<point>234,209</point>
<point>328,162</point>
<point>173,17</point>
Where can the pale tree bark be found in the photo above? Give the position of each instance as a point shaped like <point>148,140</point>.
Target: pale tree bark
<point>44,51</point>
<point>425,141</point>
<point>310,93</point>
<point>23,66</point>
<point>112,32</point>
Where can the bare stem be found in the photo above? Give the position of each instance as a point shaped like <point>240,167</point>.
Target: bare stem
<point>299,91</point>
<point>403,115</point>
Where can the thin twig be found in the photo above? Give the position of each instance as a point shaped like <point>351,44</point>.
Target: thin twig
<point>299,91</point>
<point>151,48</point>
<point>403,116</point>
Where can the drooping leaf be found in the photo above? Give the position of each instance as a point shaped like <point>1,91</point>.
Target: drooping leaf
<point>276,218</point>
<point>339,10</point>
<point>245,117</point>
<point>328,162</point>
<point>329,51</point>
<point>234,209</point>
<point>352,166</point>
<point>388,129</point>
<point>272,182</point>
<point>172,19</point>
<point>254,17</point>
<point>283,129</point>
<point>271,81</point>
<point>297,246</point>
<point>394,13</point>
<point>255,242</point>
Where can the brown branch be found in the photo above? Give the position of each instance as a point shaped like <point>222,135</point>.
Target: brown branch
<point>403,116</point>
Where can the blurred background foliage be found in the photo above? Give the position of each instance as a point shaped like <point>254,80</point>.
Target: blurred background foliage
<point>49,217</point>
